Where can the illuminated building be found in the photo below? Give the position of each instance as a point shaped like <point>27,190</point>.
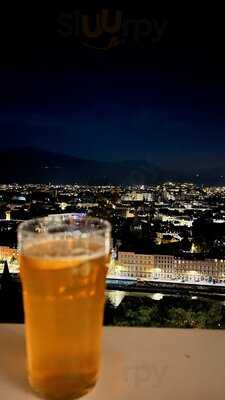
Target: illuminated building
<point>177,220</point>
<point>133,196</point>
<point>72,215</point>
<point>6,253</point>
<point>200,269</point>
<point>8,215</point>
<point>63,206</point>
<point>87,205</point>
<point>165,238</point>
<point>11,256</point>
<point>148,196</point>
<point>135,265</point>
<point>130,214</point>
<point>146,266</point>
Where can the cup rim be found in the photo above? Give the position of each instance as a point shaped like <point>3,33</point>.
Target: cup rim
<point>25,226</point>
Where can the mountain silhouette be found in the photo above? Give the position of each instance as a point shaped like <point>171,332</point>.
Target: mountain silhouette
<point>34,165</point>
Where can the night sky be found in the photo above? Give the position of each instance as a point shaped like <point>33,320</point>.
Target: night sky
<point>162,101</point>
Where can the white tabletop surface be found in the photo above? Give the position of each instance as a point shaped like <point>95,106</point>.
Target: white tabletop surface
<point>138,363</point>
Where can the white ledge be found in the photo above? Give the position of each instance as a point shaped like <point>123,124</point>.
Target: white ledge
<point>138,363</point>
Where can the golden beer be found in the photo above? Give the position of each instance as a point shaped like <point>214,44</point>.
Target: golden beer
<point>63,290</point>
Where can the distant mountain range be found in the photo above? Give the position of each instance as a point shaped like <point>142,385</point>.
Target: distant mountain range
<point>33,165</point>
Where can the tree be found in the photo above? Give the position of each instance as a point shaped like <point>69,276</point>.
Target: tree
<point>142,316</point>
<point>180,318</point>
<point>214,316</point>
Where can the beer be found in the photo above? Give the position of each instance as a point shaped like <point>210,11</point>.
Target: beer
<point>63,291</point>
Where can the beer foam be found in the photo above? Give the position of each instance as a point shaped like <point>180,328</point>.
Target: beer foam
<point>66,249</point>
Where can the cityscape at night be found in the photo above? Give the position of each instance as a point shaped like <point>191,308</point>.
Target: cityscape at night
<point>167,239</point>
<point>168,231</point>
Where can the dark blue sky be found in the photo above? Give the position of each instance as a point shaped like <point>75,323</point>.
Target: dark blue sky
<point>163,104</point>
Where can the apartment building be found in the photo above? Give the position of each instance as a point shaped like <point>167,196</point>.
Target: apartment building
<point>147,266</point>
